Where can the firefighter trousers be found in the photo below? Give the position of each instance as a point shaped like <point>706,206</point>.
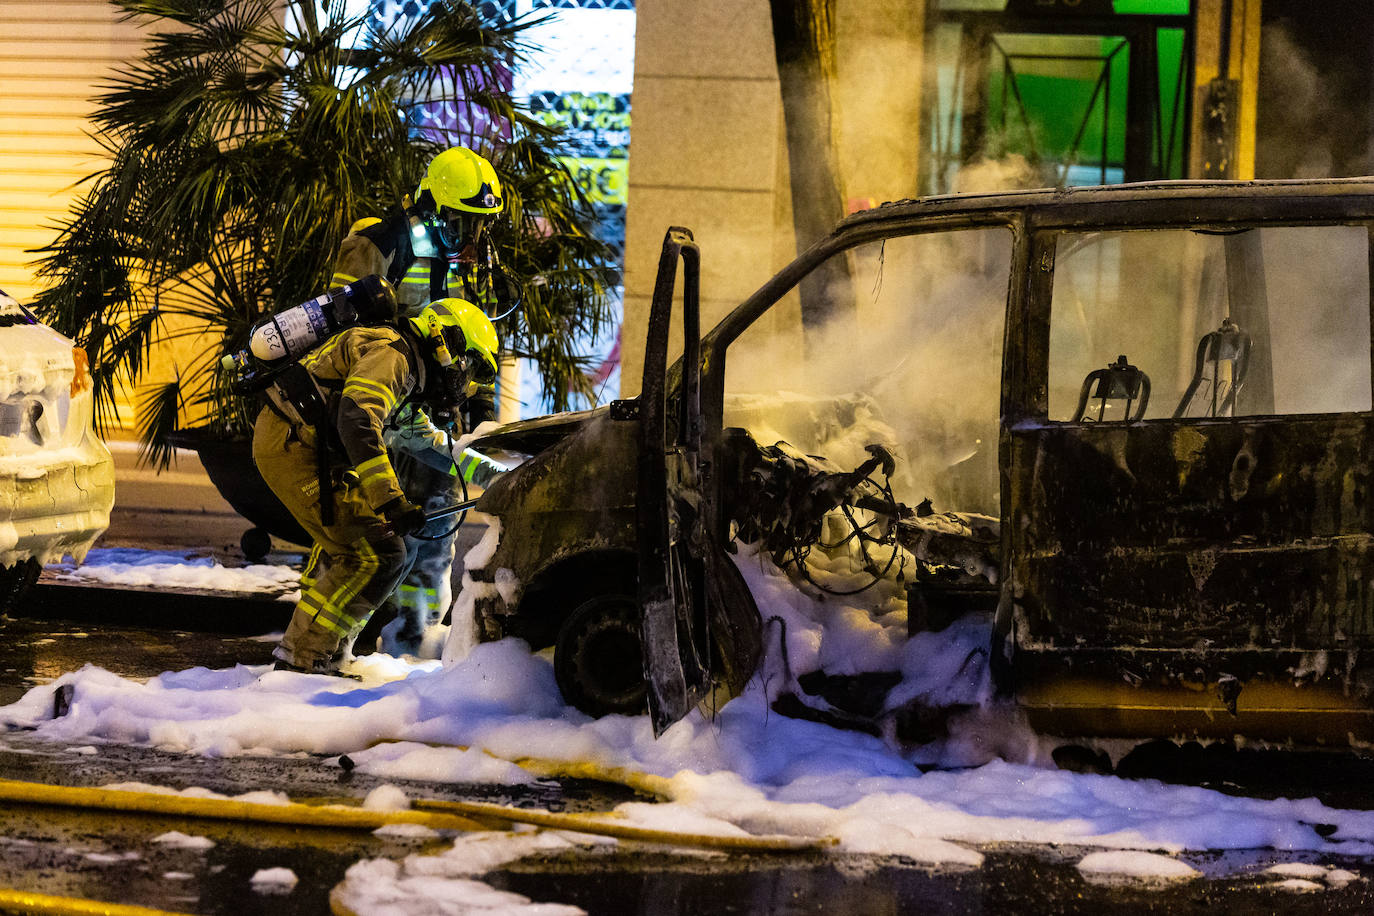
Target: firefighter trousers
<point>423,597</point>
<point>355,563</point>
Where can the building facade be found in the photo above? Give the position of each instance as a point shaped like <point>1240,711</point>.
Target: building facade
<point>930,96</point>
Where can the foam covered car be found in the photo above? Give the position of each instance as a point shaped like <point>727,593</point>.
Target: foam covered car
<point>56,476</point>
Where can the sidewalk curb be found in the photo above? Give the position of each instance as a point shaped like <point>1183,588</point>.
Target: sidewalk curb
<point>195,611</point>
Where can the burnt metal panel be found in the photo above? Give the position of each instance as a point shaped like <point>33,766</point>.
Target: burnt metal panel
<point>1192,535</point>
<point>1292,198</point>
<point>667,520</point>
<point>534,435</point>
<point>1186,553</point>
<point>576,496</point>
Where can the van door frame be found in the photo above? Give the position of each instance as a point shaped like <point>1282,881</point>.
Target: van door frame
<point>1017,375</point>
<point>1022,623</point>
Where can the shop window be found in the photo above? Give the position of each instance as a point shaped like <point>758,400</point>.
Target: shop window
<point>1041,94</point>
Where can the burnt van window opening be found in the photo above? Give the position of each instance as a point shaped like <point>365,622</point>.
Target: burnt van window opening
<point>914,366</point>
<point>1222,322</point>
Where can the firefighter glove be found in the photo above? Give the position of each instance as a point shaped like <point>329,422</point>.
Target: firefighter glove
<point>403,516</point>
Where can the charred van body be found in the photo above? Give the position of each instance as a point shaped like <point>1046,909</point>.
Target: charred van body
<point>1153,459</point>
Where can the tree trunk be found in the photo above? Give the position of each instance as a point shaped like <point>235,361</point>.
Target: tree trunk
<point>804,45</point>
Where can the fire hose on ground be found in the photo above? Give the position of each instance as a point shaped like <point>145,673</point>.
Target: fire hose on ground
<point>433,813</point>
<point>31,904</point>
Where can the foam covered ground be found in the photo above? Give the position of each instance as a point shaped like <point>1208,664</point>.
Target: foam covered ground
<point>746,769</point>
<point>129,567</point>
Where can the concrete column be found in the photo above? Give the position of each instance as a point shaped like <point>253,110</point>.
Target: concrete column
<point>1243,66</point>
<point>708,148</point>
<point>878,105</point>
<point>703,153</point>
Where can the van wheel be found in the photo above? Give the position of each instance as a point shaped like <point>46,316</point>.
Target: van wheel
<point>15,581</point>
<point>597,659</point>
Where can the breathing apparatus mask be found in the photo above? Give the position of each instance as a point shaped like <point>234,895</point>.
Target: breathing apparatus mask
<point>443,397</point>
<point>459,344</point>
<point>449,233</point>
<point>463,233</point>
<point>449,388</point>
<point>457,202</point>
<point>466,238</point>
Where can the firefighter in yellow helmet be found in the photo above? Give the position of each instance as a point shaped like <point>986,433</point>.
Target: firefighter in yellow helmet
<point>429,475</point>
<point>437,248</point>
<point>438,244</point>
<point>319,445</point>
<point>461,335</point>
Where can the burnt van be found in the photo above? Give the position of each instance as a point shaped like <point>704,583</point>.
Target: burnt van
<point>1132,422</point>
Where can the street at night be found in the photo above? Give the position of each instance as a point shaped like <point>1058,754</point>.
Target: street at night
<point>769,457</point>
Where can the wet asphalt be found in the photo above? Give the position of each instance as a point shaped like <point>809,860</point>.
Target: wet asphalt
<point>112,857</point>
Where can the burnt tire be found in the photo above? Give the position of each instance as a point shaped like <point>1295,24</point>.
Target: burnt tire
<point>598,661</point>
<point>15,581</point>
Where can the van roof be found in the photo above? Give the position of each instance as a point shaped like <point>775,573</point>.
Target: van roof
<point>1098,196</point>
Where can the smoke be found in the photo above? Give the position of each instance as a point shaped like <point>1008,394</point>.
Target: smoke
<point>916,366</point>
<point>877,100</point>
<point>1009,173</point>
<point>1306,111</point>
<point>1301,293</point>
<point>1317,284</point>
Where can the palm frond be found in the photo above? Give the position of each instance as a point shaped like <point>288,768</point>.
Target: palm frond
<point>241,145</point>
<point>158,409</point>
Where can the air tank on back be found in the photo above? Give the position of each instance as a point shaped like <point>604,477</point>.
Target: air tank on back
<point>280,339</point>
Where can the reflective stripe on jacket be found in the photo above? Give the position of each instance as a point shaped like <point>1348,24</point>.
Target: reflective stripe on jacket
<point>365,374</point>
<point>385,249</point>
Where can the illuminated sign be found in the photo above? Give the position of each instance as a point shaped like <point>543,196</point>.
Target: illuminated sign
<point>597,126</point>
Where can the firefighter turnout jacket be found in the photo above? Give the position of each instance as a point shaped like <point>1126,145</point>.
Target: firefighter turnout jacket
<point>420,454</point>
<point>364,374</point>
<point>388,248</point>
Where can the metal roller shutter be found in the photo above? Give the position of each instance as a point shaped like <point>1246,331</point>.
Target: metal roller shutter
<point>53,56</point>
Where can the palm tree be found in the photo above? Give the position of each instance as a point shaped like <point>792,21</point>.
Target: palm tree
<point>243,142</point>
